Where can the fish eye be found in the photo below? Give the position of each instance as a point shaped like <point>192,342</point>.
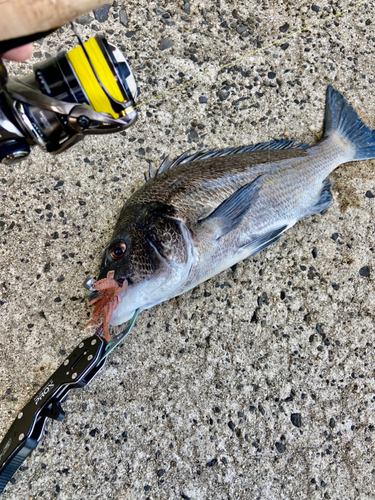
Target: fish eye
<point>118,251</point>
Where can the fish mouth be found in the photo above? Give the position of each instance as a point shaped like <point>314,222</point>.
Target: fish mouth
<point>96,294</point>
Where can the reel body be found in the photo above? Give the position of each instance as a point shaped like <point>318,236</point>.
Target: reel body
<point>88,90</point>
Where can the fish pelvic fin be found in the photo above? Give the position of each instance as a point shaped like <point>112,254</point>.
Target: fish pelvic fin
<point>262,242</point>
<point>229,214</point>
<point>341,117</point>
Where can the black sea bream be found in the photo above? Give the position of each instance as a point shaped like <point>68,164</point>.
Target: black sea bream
<point>201,214</point>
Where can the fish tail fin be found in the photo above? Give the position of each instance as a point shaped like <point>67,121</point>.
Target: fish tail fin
<point>341,117</point>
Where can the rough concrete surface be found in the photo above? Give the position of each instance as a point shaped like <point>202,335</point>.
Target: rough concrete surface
<point>258,384</point>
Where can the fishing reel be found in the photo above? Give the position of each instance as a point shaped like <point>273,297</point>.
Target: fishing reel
<point>88,90</point>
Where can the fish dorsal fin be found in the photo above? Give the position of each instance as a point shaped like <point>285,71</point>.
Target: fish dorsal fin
<point>215,153</point>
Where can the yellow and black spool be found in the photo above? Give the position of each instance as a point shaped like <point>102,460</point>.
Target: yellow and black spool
<point>93,90</point>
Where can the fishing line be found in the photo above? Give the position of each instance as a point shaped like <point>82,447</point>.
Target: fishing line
<point>120,337</point>
<point>256,51</point>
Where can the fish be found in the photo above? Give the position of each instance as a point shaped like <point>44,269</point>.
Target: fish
<point>202,213</point>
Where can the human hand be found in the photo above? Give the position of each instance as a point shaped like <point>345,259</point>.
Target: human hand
<point>19,54</point>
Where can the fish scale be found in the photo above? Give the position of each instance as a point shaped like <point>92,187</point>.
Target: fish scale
<point>200,214</point>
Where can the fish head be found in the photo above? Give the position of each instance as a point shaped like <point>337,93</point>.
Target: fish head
<point>150,250</point>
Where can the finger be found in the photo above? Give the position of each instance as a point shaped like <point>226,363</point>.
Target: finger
<point>19,54</point>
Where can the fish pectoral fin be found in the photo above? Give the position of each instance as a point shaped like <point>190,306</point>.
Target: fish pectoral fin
<point>260,243</point>
<point>229,214</point>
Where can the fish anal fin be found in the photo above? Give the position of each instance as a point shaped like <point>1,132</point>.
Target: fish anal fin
<point>264,241</point>
<point>229,214</point>
<point>324,200</point>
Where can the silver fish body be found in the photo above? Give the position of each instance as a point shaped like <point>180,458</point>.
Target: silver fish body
<point>203,213</point>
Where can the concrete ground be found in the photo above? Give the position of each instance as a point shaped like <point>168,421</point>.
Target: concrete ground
<point>258,384</point>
